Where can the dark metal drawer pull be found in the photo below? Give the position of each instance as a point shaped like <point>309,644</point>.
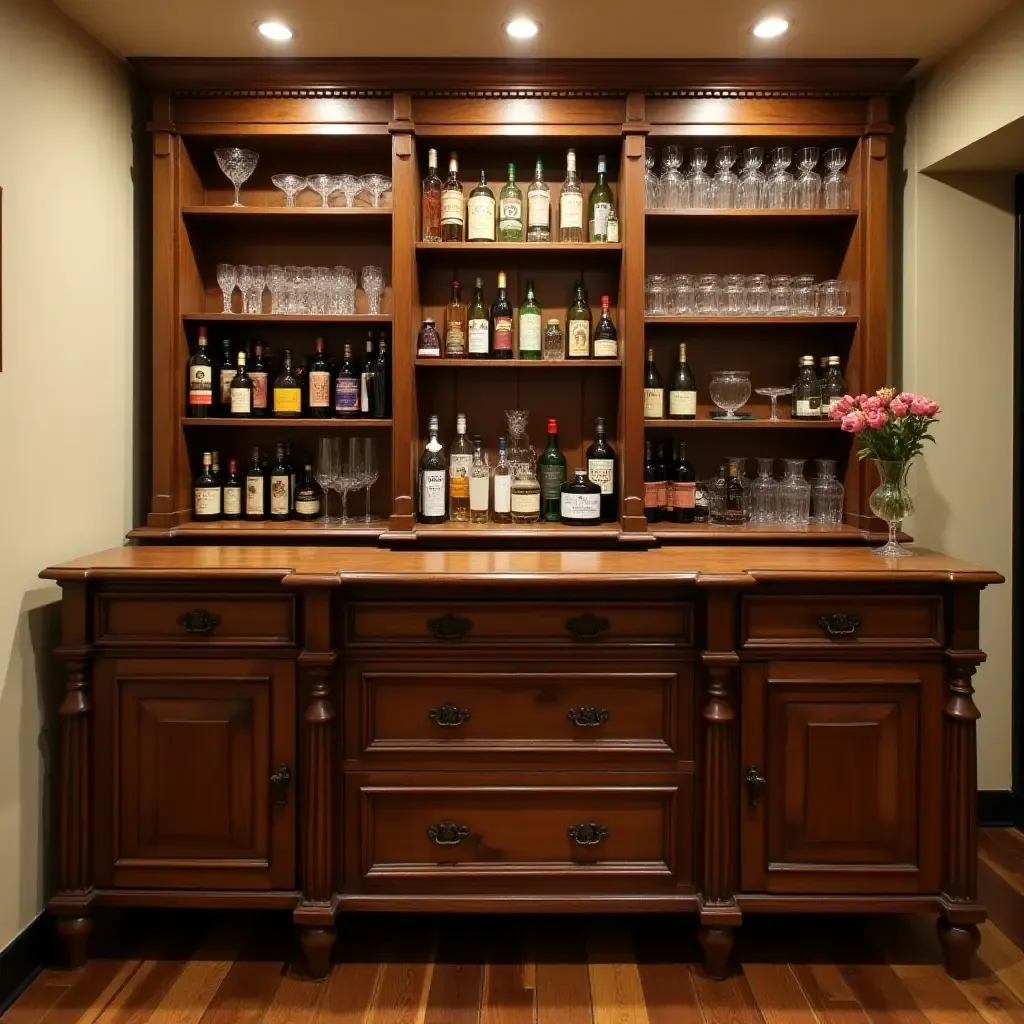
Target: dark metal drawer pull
<point>280,783</point>
<point>449,627</point>
<point>839,624</point>
<point>588,716</point>
<point>587,626</point>
<point>448,716</point>
<point>587,834</point>
<point>198,621</point>
<point>447,833</point>
<point>755,785</point>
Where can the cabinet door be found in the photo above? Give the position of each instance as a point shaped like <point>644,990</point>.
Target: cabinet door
<point>842,777</point>
<point>185,753</point>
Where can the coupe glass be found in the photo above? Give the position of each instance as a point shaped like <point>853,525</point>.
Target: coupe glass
<point>653,185</point>
<point>371,473</point>
<point>656,295</point>
<point>237,165</point>
<point>227,281</point>
<point>351,186</point>
<point>780,295</point>
<point>290,184</point>
<point>730,390</point>
<point>835,185</point>
<point>758,295</point>
<point>774,394</point>
<point>324,469</point>
<point>725,184</point>
<point>764,492</point>
<point>794,495</point>
<point>682,294</point>
<point>324,185</point>
<point>376,185</point>
<point>708,295</point>
<point>750,192</point>
<point>674,192</point>
<point>827,494</point>
<point>807,187</point>
<point>371,280</point>
<point>779,187</point>
<point>698,180</point>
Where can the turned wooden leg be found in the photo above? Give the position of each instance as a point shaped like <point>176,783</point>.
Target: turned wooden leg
<point>717,945</point>
<point>318,944</point>
<point>959,944</point>
<point>74,935</point>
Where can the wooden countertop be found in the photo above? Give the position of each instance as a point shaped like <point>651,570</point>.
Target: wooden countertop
<point>707,566</point>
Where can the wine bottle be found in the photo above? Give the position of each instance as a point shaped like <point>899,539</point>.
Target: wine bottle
<point>551,470</point>
<point>606,338</point>
<point>232,492</point>
<point>346,386</point>
<point>480,212</point>
<point>307,496</point>
<point>433,479</point>
<point>529,326</point>
<point>200,380</point>
<point>241,390</point>
<point>255,490</point>
<point>215,466</point>
<point>806,392</point>
<point>453,204</point>
<point>479,324</point>
<point>367,405</point>
<point>501,322</point>
<point>319,384</point>
<point>654,390</point>
<point>682,396</point>
<point>479,484</point>
<point>456,325</point>
<point>601,469</point>
<point>510,209</point>
<point>570,208</point>
<point>460,462</point>
<point>206,493</point>
<point>430,215</point>
<point>580,501</point>
<point>259,373</point>
<point>502,485</point>
<point>684,488</point>
<point>600,204</point>
<point>382,381</point>
<point>280,488</point>
<point>293,474</point>
<point>227,368</point>
<point>654,483</point>
<point>287,390</point>
<point>669,454</point>
<point>577,326</point>
<point>538,207</point>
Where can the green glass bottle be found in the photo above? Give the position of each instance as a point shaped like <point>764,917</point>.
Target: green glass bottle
<point>480,213</point>
<point>600,204</point>
<point>551,470</point>
<point>510,209</point>
<point>538,207</point>
<point>577,326</point>
<point>530,331</point>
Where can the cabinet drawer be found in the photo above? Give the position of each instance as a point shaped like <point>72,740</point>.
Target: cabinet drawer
<point>836,620</point>
<point>519,623</point>
<point>195,617</point>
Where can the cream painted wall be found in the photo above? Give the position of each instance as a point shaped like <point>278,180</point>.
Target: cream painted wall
<point>65,386</point>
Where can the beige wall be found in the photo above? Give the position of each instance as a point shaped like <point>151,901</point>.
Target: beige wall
<point>66,383</point>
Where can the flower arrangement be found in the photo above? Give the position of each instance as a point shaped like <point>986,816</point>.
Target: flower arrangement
<point>892,427</point>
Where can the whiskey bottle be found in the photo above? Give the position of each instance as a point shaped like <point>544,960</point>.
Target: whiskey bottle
<point>307,496</point>
<point>480,212</point>
<point>433,479</point>
<point>258,374</point>
<point>577,326</point>
<point>601,470</point>
<point>206,493</point>
<point>736,511</point>
<point>606,338</point>
<point>525,498</point>
<point>684,487</point>
<point>318,377</point>
<point>502,485</point>
<point>581,501</point>
<point>501,322</point>
<point>226,374</point>
<point>510,209</point>
<point>600,204</point>
<point>231,495</point>
<point>833,386</point>
<point>538,207</point>
<point>479,329</point>
<point>529,326</point>
<point>570,204</point>
<point>682,396</point>
<point>551,470</point>
<point>654,390</point>
<point>806,392</point>
<point>241,390</point>
<point>654,483</point>
<point>367,406</point>
<point>280,488</point>
<point>460,461</point>
<point>255,490</point>
<point>430,212</point>
<point>346,386</point>
<point>382,381</point>
<point>453,204</point>
<point>287,391</point>
<point>479,483</point>
<point>200,380</point>
<point>456,325</point>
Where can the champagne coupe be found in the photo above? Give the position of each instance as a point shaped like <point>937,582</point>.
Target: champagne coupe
<point>730,390</point>
<point>290,184</point>
<point>807,187</point>
<point>324,185</point>
<point>324,469</point>
<point>725,184</point>
<point>376,185</point>
<point>673,185</point>
<point>774,393</point>
<point>351,186</point>
<point>237,165</point>
<point>372,282</point>
<point>835,185</point>
<point>698,180</point>
<point>371,473</point>
<point>227,281</point>
<point>653,185</point>
<point>750,193</point>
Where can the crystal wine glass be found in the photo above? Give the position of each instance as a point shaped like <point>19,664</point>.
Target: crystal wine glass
<point>290,184</point>
<point>245,285</point>
<point>750,192</point>
<point>237,165</point>
<point>351,478</point>
<point>730,390</point>
<point>674,195</point>
<point>835,185</point>
<point>227,281</point>
<point>321,289</point>
<point>376,185</point>
<point>346,283</point>
<point>275,284</point>
<point>351,186</point>
<point>780,181</point>
<point>258,283</point>
<point>774,393</point>
<point>653,185</point>
<point>324,468</point>
<point>725,183</point>
<point>372,282</point>
<point>371,473</point>
<point>304,291</point>
<point>698,179</point>
<point>807,187</point>
<point>324,185</point>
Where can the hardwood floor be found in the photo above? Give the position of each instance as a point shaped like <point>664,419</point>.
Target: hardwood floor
<point>210,968</point>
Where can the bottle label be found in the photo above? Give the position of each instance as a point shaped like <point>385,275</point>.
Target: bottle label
<point>452,208</point>
<point>529,332</point>
<point>254,497</point>
<point>684,495</point>
<point>200,385</point>
<point>602,473</point>
<point>652,493</point>
<point>207,501</point>
<point>510,216</point>
<point>654,403</point>
<point>526,503</point>
<point>232,501</point>
<point>459,487</point>
<point>503,334</point>
<point>432,492</point>
<point>365,385</point>
<point>307,506</point>
<point>279,491</point>
<point>682,403</point>
<point>319,389</point>
<point>455,340</point>
<point>606,348</point>
<point>259,389</point>
<point>460,465</point>
<point>287,400</point>
<point>599,225</point>
<point>227,375</point>
<point>503,494</point>
<point>538,202</point>
<point>579,338</point>
<point>479,493</point>
<point>478,337</point>
<point>613,229</point>
<point>481,219</point>
<point>804,407</point>
<point>551,480</point>
<point>581,506</point>
<point>572,211</point>
<point>346,394</point>
<point>241,400</point>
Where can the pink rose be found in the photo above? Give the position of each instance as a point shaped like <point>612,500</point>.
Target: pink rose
<point>877,418</point>
<point>872,404</point>
<point>860,400</point>
<point>841,407</point>
<point>922,406</point>
<point>906,397</point>
<point>854,422</point>
<point>898,407</point>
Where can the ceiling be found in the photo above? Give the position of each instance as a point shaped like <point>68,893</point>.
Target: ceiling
<point>570,28</point>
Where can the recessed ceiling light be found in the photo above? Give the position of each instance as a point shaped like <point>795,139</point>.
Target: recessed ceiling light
<point>770,28</point>
<point>278,31</point>
<point>522,28</point>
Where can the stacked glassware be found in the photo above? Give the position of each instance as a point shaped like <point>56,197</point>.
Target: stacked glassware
<point>307,291</point>
<point>741,295</point>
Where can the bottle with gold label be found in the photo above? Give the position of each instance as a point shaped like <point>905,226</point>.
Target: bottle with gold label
<point>456,325</point>
<point>453,204</point>
<point>287,390</point>
<point>460,462</point>
<point>577,326</point>
<point>654,390</point>
<point>480,213</point>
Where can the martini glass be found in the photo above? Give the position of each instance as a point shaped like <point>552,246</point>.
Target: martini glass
<point>290,184</point>
<point>324,185</point>
<point>237,165</point>
<point>376,185</point>
<point>773,394</point>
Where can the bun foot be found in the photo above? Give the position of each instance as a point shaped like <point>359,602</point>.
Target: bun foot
<point>74,935</point>
<point>717,945</point>
<point>318,945</point>
<point>959,944</point>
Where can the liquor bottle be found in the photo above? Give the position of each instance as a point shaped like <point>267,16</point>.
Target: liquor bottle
<point>701,505</point>
<point>613,225</point>
<point>510,209</point>
<point>479,483</point>
<point>367,406</point>
<point>525,497</point>
<point>479,330</point>
<point>480,212</point>
<point>551,470</point>
<point>258,374</point>
<point>430,215</point>
<point>200,380</point>
<point>577,326</point>
<point>255,490</point>
<point>456,325</point>
<point>502,485</point>
<point>231,494</point>
<point>382,381</point>
<point>683,483</point>
<point>318,378</point>
<point>215,467</point>
<point>307,496</point>
<point>433,480</point>
<point>346,386</point>
<point>654,483</point>
<point>735,501</point>
<point>460,461</point>
<point>654,390</point>
<point>682,396</point>
<point>606,338</point>
<point>501,322</point>
<point>602,471</point>
<point>241,390</point>
<point>581,501</point>
<point>570,204</point>
<point>293,474</point>
<point>428,343</point>
<point>453,204</point>
<point>287,391</point>
<point>529,326</point>
<point>806,392</point>
<point>206,493</point>
<point>538,207</point>
<point>833,386</point>
<point>669,456</point>
<point>226,367</point>
<point>280,488</point>
<point>600,204</point>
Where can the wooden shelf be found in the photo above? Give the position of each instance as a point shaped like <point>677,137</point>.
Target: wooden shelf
<point>760,424</point>
<point>535,247</point>
<point>292,318</point>
<point>525,531</point>
<point>814,216</point>
<point>756,532</point>
<point>235,212</point>
<point>752,321</point>
<point>284,422</point>
<point>293,531</point>
<point>519,364</point>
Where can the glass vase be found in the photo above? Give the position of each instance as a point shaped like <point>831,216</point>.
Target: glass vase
<point>891,501</point>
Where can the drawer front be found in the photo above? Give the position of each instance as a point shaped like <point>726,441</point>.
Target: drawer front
<point>195,618</point>
<point>519,623</point>
<point>525,713</point>
<point>837,620</point>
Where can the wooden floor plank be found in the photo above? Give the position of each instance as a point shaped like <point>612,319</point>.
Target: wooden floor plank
<point>994,1002</point>
<point>401,993</point>
<point>664,951</point>
<point>999,845</point>
<point>1003,957</point>
<point>47,988</point>
<point>100,981</point>
<point>562,981</point>
<point>616,992</point>
<point>828,993</point>
<point>937,996</point>
<point>882,994</point>
<point>349,993</point>
<point>508,993</point>
<point>726,1002</point>
<point>1004,903</point>
<point>456,985</point>
<point>778,994</point>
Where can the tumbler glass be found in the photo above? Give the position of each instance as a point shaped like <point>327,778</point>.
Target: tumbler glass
<point>655,295</point>
<point>780,298</point>
<point>804,296</point>
<point>734,295</point>
<point>707,300</point>
<point>683,294</point>
<point>758,295</point>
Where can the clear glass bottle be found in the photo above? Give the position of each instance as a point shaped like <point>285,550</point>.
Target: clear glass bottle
<point>764,493</point>
<point>538,207</point>
<point>479,325</point>
<point>510,209</point>
<point>530,334</point>
<point>480,212</point>
<point>456,325</point>
<point>554,342</point>
<point>479,483</point>
<point>600,203</point>
<point>827,494</point>
<point>833,385</point>
<point>433,479</point>
<point>502,501</point>
<point>460,461</point>
<point>570,204</point>
<point>453,204</point>
<point>430,212</point>
<point>806,392</point>
<point>580,501</point>
<point>794,496</point>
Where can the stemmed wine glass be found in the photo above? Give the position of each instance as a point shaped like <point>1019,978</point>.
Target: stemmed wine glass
<point>290,184</point>
<point>750,194</point>
<point>835,185</point>
<point>376,185</point>
<point>351,186</point>
<point>237,165</point>
<point>372,282</point>
<point>324,185</point>
<point>698,180</point>
<point>725,182</point>
<point>351,476</point>
<point>780,179</point>
<point>674,195</point>
<point>227,281</point>
<point>773,394</point>
<point>275,283</point>
<point>325,468</point>
<point>653,185</point>
<point>371,473</point>
<point>807,187</point>
<point>730,390</point>
<point>257,282</point>
<point>245,285</point>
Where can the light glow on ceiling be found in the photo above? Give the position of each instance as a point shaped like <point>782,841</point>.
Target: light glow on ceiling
<point>277,31</point>
<point>770,28</point>
<point>522,28</point>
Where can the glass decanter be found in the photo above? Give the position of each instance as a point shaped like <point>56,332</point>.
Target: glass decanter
<point>807,187</point>
<point>522,460</point>
<point>835,186</point>
<point>794,499</point>
<point>779,187</point>
<point>674,191</point>
<point>653,185</point>
<point>725,184</point>
<point>698,180</point>
<point>764,493</point>
<point>826,494</point>
<point>750,192</point>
